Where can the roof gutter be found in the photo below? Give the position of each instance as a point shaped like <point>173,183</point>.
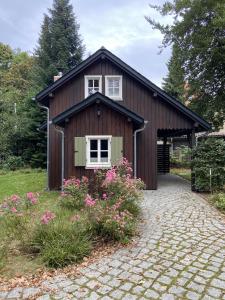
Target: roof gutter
<point>48,141</point>
<point>135,147</point>
<point>62,155</point>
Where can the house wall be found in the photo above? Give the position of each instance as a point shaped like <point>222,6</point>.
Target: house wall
<point>137,98</point>
<point>108,123</point>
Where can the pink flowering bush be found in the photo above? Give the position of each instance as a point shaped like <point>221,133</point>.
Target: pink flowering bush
<point>47,217</point>
<point>75,191</point>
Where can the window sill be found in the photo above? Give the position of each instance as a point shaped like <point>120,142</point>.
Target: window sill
<point>89,167</point>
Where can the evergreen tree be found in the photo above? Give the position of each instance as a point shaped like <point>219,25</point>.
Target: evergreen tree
<point>174,82</point>
<point>60,47</point>
<point>198,30</point>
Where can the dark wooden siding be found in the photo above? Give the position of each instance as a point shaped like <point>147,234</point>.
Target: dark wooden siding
<point>108,123</point>
<point>137,98</point>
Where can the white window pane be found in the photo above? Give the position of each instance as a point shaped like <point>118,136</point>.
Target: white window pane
<point>116,83</point>
<point>110,91</point>
<point>116,92</point>
<point>110,83</point>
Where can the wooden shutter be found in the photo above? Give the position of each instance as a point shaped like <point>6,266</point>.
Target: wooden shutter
<point>116,149</point>
<point>79,151</point>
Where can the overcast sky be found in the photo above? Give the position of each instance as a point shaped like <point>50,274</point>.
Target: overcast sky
<point>119,25</point>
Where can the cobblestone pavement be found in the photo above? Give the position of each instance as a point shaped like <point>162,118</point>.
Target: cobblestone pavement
<point>180,254</point>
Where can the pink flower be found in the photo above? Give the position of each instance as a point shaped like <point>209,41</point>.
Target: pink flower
<point>15,198</point>
<point>110,175</point>
<point>85,179</point>
<point>47,217</point>
<point>32,197</point>
<point>89,201</point>
<point>104,196</point>
<point>63,194</point>
<point>13,210</point>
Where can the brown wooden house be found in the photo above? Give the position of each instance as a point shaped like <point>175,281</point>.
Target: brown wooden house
<point>102,110</point>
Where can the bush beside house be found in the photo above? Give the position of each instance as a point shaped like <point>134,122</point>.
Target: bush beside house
<point>85,213</point>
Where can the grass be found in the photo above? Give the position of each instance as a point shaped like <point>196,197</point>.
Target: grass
<point>184,173</point>
<point>21,181</point>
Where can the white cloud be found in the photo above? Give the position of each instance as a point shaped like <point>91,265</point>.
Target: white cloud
<point>119,25</point>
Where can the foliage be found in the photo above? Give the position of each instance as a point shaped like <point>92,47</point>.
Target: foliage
<point>20,116</point>
<point>174,82</point>
<point>113,205</point>
<point>184,173</point>
<point>198,31</point>
<point>61,233</point>
<point>18,182</point>
<point>219,201</point>
<point>61,242</point>
<point>60,47</point>
<point>181,157</point>
<point>13,163</point>
<point>74,193</point>
<point>209,153</point>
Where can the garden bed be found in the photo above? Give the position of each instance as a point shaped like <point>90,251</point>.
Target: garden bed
<point>48,230</point>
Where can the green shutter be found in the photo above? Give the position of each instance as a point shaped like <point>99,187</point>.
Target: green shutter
<point>79,151</point>
<point>116,149</point>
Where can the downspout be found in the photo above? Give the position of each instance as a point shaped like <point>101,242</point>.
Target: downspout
<point>135,147</point>
<point>63,155</point>
<point>48,141</point>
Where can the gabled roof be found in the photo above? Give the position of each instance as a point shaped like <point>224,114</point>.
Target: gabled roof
<point>96,98</point>
<point>103,54</point>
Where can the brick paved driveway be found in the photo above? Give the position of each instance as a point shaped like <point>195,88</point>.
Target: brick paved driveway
<point>179,255</point>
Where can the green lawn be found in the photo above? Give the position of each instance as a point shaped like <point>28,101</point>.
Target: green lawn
<point>21,182</point>
<point>184,173</point>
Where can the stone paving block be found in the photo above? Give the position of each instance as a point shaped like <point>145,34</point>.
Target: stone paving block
<point>14,293</point>
<point>180,254</point>
<point>117,294</point>
<point>151,294</point>
<point>30,292</point>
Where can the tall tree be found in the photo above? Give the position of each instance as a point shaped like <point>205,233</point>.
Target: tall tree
<point>198,30</point>
<point>19,115</point>
<point>60,46</point>
<point>174,82</point>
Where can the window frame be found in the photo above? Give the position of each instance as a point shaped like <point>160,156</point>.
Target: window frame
<point>98,164</point>
<point>92,77</point>
<point>120,97</point>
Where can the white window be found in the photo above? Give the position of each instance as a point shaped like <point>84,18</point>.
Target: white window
<point>93,84</point>
<point>113,87</point>
<point>98,151</point>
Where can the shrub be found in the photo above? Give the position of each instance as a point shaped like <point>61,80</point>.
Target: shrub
<point>209,153</point>
<point>75,191</point>
<point>3,255</point>
<point>181,157</point>
<point>219,201</point>
<point>13,163</point>
<point>61,241</point>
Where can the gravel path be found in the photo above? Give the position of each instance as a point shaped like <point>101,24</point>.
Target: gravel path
<point>179,255</point>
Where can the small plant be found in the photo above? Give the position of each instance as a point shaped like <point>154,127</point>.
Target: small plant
<point>61,242</point>
<point>219,201</point>
<point>13,163</point>
<point>75,191</point>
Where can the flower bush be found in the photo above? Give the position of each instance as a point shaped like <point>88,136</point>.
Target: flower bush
<point>105,208</point>
<point>75,190</point>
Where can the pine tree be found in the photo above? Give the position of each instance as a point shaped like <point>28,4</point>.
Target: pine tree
<point>60,46</point>
<point>174,82</point>
<point>198,29</point>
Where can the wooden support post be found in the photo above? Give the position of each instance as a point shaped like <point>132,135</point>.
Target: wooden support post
<point>164,154</point>
<point>192,145</point>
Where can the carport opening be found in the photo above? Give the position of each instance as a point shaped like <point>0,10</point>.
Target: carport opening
<point>168,140</point>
